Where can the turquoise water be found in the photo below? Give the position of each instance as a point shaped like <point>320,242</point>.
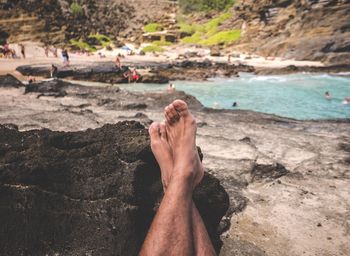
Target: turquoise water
<point>299,96</point>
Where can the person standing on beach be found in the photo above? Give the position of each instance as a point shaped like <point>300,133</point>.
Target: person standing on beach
<point>54,71</point>
<point>177,228</point>
<point>118,64</point>
<point>47,48</point>
<point>6,50</point>
<point>135,76</point>
<point>23,51</point>
<point>65,57</point>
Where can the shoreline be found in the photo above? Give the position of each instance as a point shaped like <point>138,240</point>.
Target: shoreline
<point>257,64</point>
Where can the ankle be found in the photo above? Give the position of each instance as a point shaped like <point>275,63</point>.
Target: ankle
<point>183,180</point>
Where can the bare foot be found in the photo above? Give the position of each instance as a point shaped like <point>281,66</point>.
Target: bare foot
<point>161,150</point>
<point>181,131</point>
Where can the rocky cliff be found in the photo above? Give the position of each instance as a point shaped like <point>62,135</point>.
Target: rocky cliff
<point>85,193</point>
<point>57,22</point>
<point>301,29</point>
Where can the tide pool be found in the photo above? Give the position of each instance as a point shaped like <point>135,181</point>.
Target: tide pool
<point>299,96</point>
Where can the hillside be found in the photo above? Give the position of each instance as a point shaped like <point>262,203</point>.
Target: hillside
<point>57,22</point>
<point>301,29</point>
<point>316,30</point>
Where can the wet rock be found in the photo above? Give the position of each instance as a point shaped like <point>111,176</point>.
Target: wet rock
<point>91,192</point>
<point>294,69</point>
<point>135,106</point>
<point>48,88</point>
<point>10,81</point>
<point>11,126</point>
<point>140,115</point>
<point>268,172</point>
<point>344,147</point>
<point>159,73</point>
<point>154,79</point>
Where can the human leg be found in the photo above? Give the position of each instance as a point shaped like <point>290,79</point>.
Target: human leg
<point>164,154</point>
<point>171,229</point>
<point>178,115</point>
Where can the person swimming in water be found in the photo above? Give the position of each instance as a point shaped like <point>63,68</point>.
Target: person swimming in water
<point>327,96</point>
<point>234,104</point>
<point>346,101</point>
<point>171,88</point>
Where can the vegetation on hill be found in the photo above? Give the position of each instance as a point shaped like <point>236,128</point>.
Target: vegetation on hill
<point>156,46</point>
<point>204,5</point>
<point>76,9</point>
<point>101,41</point>
<point>152,27</point>
<point>209,32</point>
<point>81,45</point>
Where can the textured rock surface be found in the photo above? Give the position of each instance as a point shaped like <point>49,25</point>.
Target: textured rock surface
<point>150,72</point>
<point>283,176</point>
<point>92,192</point>
<point>53,21</point>
<point>10,81</point>
<point>300,29</point>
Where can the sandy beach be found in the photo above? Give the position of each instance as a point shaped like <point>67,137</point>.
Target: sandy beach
<point>35,55</point>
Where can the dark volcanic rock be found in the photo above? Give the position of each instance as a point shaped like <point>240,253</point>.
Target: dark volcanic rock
<point>156,79</point>
<point>135,106</point>
<point>294,69</point>
<point>48,88</point>
<point>10,81</point>
<point>268,172</point>
<point>159,73</point>
<point>85,193</point>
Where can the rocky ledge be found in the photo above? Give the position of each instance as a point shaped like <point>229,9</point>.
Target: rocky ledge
<point>287,180</point>
<point>150,72</point>
<point>86,193</point>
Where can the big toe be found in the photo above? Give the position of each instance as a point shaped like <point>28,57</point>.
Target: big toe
<point>154,132</point>
<point>181,107</point>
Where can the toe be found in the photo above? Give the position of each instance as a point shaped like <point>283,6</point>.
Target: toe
<point>162,130</point>
<point>174,115</point>
<point>167,110</point>
<point>181,107</point>
<point>166,115</point>
<point>154,131</point>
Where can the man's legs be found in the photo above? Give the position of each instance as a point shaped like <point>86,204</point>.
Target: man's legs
<point>171,229</point>
<point>164,152</point>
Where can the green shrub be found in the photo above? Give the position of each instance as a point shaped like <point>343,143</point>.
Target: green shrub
<point>162,43</point>
<point>76,9</point>
<point>194,39</point>
<point>80,44</point>
<point>104,40</point>
<point>204,5</point>
<point>206,32</point>
<point>152,48</point>
<point>222,37</point>
<point>187,28</point>
<point>152,27</point>
<point>211,26</point>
